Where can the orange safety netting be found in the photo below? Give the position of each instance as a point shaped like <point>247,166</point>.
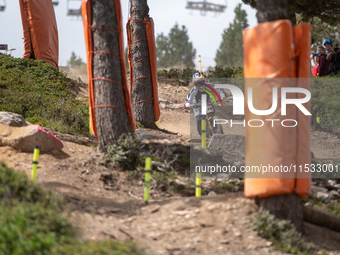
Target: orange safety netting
<point>276,53</point>
<point>150,37</point>
<point>87,19</point>
<point>40,30</point>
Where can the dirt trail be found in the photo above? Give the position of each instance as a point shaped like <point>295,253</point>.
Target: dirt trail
<point>170,224</point>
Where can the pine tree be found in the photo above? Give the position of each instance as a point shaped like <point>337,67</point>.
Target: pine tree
<point>141,91</point>
<point>230,52</point>
<point>74,60</point>
<point>322,31</point>
<point>326,10</point>
<point>175,49</point>
<point>163,59</point>
<point>287,206</point>
<point>111,122</point>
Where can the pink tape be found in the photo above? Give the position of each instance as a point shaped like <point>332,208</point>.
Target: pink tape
<point>38,128</point>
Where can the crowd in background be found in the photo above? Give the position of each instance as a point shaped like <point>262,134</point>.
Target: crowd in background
<point>327,59</point>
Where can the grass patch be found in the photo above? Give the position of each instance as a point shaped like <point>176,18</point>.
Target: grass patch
<point>318,203</point>
<point>184,160</point>
<point>32,221</point>
<point>139,125</point>
<point>126,153</point>
<point>130,153</point>
<point>42,95</point>
<point>184,190</point>
<point>223,187</point>
<point>334,208</point>
<point>281,232</point>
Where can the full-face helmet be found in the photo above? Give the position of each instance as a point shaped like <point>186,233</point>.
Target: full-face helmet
<point>198,79</point>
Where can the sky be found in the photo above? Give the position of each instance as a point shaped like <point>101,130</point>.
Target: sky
<point>205,32</point>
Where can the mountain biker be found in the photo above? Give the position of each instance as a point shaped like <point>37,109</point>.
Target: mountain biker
<point>195,95</point>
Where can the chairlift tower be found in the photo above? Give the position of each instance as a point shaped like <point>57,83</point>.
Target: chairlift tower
<point>205,7</point>
<point>74,8</point>
<point>4,47</point>
<point>2,5</point>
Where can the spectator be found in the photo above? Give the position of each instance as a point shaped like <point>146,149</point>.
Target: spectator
<point>328,44</point>
<point>316,67</point>
<point>334,57</point>
<point>324,64</point>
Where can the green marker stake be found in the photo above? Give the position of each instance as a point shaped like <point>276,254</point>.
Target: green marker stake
<point>204,134</point>
<point>198,184</point>
<point>200,63</point>
<point>318,119</point>
<point>198,189</point>
<point>35,162</point>
<point>147,179</point>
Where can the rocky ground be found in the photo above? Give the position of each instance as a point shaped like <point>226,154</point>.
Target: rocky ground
<point>106,203</point>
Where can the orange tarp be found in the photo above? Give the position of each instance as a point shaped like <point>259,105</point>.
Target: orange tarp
<point>150,36</point>
<point>275,54</point>
<point>40,30</point>
<point>87,21</point>
<point>302,35</point>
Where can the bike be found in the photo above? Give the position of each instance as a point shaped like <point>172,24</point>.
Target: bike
<point>210,117</point>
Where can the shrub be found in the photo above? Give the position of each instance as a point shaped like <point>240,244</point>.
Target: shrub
<point>183,76</point>
<point>41,94</point>
<point>126,153</point>
<point>32,222</point>
<point>325,101</point>
<point>281,232</point>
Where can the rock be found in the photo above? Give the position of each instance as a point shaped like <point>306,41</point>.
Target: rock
<point>331,185</point>
<point>27,137</point>
<point>228,142</point>
<point>147,135</point>
<point>154,235</point>
<point>155,208</point>
<point>224,241</point>
<point>211,193</point>
<point>331,182</point>
<point>182,213</point>
<point>101,211</point>
<point>237,233</point>
<point>323,195</point>
<point>189,246</point>
<point>334,195</point>
<point>316,189</point>
<point>211,208</point>
<point>12,119</point>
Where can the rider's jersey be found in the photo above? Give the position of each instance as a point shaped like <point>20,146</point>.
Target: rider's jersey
<point>195,95</point>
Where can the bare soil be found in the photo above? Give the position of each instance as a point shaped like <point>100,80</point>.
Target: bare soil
<point>170,224</point>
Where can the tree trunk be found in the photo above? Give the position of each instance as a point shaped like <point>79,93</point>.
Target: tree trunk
<point>142,88</point>
<point>270,10</point>
<point>287,206</point>
<point>112,122</point>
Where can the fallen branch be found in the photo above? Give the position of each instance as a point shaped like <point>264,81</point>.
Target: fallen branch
<point>132,195</point>
<point>321,218</point>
